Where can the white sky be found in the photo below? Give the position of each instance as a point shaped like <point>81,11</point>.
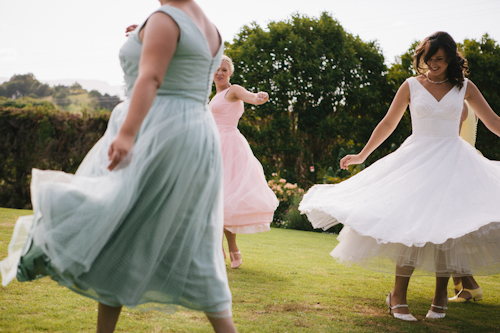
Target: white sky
<point>65,39</point>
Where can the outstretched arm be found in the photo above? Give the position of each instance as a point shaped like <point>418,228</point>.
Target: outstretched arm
<point>159,43</point>
<point>384,128</point>
<point>482,108</point>
<point>237,92</point>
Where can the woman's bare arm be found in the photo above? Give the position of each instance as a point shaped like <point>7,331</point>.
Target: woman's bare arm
<point>482,109</point>
<point>160,36</point>
<point>384,128</point>
<point>237,92</point>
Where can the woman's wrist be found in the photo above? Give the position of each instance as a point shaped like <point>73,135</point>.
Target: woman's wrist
<point>127,132</point>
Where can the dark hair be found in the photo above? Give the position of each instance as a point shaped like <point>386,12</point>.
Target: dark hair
<point>457,64</point>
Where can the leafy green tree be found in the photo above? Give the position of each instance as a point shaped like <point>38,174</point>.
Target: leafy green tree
<point>104,102</point>
<point>327,90</point>
<point>22,85</point>
<point>483,57</point>
<point>43,90</point>
<point>60,96</point>
<point>403,67</point>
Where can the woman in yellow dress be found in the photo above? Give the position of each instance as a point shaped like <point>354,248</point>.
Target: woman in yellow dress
<point>466,287</point>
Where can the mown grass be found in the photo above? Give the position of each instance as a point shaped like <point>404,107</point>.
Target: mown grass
<point>287,283</point>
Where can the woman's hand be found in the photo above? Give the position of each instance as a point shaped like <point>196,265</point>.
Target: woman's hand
<point>119,149</point>
<point>130,28</point>
<point>262,97</point>
<point>350,160</point>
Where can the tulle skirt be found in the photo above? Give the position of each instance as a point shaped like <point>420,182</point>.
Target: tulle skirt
<point>432,205</point>
<point>249,203</point>
<point>149,231</point>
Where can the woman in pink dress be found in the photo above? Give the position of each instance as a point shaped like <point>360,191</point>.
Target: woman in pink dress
<point>249,203</point>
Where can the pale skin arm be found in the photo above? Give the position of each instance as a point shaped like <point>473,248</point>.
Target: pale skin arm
<point>159,41</point>
<point>384,128</point>
<point>482,108</point>
<point>237,92</point>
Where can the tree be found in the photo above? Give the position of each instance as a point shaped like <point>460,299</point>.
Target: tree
<point>22,85</point>
<point>327,90</point>
<point>483,57</point>
<point>104,102</point>
<point>60,96</point>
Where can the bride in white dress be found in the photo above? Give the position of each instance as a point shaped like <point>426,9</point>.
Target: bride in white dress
<point>432,205</point>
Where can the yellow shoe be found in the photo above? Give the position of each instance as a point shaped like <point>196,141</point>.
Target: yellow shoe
<point>475,294</point>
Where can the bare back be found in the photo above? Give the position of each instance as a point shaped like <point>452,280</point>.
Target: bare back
<point>202,22</point>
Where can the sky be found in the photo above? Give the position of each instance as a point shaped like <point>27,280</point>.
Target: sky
<point>65,39</point>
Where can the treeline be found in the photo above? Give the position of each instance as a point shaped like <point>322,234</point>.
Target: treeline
<point>27,88</point>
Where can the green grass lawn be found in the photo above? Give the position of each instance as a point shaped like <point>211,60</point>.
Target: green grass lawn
<point>288,283</point>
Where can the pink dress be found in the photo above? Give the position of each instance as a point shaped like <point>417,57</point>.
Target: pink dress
<point>249,203</point>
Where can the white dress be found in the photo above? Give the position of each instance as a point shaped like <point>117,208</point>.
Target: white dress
<point>433,204</point>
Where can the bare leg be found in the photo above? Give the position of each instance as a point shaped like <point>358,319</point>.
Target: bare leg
<point>234,252</point>
<point>398,294</point>
<point>456,282</point>
<point>222,325</point>
<point>441,294</point>
<point>468,282</point>
<point>107,317</point>
<point>231,241</point>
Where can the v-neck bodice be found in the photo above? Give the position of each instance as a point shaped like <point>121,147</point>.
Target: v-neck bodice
<point>191,70</point>
<point>431,117</point>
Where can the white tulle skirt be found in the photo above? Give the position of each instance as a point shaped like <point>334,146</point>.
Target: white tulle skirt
<point>432,206</point>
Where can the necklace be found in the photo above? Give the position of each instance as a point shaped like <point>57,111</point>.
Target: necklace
<point>436,82</point>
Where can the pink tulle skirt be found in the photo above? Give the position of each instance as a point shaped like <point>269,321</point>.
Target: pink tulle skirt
<point>249,203</point>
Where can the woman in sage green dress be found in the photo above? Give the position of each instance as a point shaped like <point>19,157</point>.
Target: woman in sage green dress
<point>140,221</point>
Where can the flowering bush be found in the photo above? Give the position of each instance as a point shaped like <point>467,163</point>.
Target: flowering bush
<point>287,214</point>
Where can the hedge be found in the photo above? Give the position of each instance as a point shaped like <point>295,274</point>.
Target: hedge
<point>44,138</point>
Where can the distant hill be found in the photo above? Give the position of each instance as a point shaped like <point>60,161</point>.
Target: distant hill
<point>89,85</point>
<point>67,95</point>
<point>101,86</point>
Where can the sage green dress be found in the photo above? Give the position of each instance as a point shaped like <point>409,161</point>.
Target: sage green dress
<point>150,231</point>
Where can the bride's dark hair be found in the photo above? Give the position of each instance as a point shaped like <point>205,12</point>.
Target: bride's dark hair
<point>457,64</point>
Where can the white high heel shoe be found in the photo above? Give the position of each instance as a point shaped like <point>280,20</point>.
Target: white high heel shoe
<point>402,316</point>
<point>436,315</point>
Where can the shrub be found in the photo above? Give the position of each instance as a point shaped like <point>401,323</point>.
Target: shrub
<point>287,215</point>
<point>38,136</point>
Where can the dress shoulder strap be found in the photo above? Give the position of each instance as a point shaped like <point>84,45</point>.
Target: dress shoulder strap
<point>463,89</point>
<point>179,17</point>
<point>176,14</point>
<point>412,83</point>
